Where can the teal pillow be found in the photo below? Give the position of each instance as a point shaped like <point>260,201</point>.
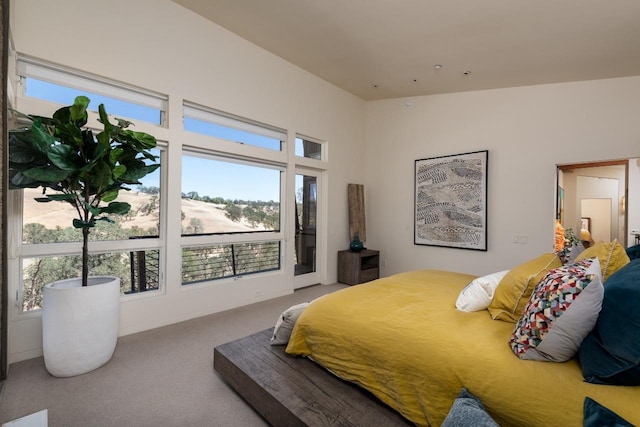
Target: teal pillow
<point>596,415</point>
<point>468,410</point>
<point>610,354</point>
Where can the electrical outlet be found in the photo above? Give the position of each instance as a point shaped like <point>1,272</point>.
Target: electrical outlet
<point>521,239</point>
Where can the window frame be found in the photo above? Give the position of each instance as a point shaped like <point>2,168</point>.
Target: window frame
<point>21,251</point>
<point>215,148</point>
<point>29,67</point>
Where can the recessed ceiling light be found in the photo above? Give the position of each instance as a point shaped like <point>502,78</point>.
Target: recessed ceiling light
<point>414,81</point>
<point>437,66</point>
<point>466,73</point>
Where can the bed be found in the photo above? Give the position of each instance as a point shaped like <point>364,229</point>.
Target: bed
<point>402,338</point>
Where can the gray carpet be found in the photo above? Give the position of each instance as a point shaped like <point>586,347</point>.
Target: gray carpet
<point>162,377</point>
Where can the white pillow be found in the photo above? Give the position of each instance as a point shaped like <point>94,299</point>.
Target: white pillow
<point>285,323</point>
<point>478,294</point>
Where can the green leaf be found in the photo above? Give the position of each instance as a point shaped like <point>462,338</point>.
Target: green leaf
<point>137,171</point>
<point>141,140</point>
<point>93,210</point>
<point>100,175</point>
<point>115,155</point>
<point>46,174</point>
<point>42,139</point>
<point>64,157</point>
<point>118,171</point>
<point>118,208</point>
<point>110,195</point>
<point>61,197</point>
<point>22,150</point>
<point>78,111</point>
<point>82,224</point>
<point>104,119</point>
<point>69,134</point>
<point>101,148</point>
<point>20,180</point>
<point>106,218</point>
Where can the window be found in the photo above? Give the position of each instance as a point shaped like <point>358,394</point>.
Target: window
<point>221,196</point>
<point>51,222</point>
<point>213,123</point>
<point>231,203</point>
<point>308,149</point>
<point>61,86</point>
<point>228,260</point>
<point>139,271</point>
<point>130,246</point>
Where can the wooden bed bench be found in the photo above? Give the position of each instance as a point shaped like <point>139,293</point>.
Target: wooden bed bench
<point>294,391</point>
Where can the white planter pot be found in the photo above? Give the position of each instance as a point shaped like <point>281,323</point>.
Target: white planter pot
<point>80,324</point>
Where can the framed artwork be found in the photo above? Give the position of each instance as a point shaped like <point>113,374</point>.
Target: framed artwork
<point>451,201</point>
<point>585,223</point>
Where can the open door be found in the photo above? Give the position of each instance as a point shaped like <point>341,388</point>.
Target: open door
<point>306,223</point>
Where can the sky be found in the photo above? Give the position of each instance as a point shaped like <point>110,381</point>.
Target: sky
<point>205,176</point>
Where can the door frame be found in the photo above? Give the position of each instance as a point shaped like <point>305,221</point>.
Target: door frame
<point>308,279</point>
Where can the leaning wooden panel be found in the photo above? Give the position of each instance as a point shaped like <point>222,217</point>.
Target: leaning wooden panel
<point>294,391</point>
<point>357,222</point>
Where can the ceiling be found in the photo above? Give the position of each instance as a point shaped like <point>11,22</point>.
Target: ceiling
<point>378,49</point>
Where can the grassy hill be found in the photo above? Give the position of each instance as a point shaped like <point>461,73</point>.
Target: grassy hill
<point>54,214</point>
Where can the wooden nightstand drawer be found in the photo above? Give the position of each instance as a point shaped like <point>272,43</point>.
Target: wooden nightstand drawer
<point>369,274</point>
<point>358,267</point>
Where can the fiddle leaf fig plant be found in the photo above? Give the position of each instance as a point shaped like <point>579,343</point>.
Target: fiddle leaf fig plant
<point>73,165</point>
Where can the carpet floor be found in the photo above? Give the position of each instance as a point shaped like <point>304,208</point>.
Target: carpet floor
<point>162,377</point>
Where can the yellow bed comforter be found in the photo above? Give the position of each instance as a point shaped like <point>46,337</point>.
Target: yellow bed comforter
<point>401,338</point>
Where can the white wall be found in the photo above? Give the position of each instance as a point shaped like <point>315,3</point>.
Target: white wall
<point>158,45</point>
<point>527,130</point>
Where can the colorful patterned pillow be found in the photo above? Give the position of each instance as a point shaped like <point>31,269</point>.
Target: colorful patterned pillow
<point>562,310</point>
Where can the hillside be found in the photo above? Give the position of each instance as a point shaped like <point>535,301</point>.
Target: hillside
<point>54,214</point>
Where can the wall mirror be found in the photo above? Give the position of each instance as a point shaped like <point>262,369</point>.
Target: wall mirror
<point>602,198</point>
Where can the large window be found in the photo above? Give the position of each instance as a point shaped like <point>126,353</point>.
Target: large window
<point>139,271</point>
<point>48,236</point>
<point>220,196</point>
<point>51,222</point>
<point>62,85</point>
<point>129,246</point>
<point>231,206</point>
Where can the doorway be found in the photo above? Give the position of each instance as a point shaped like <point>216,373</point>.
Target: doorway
<point>594,194</point>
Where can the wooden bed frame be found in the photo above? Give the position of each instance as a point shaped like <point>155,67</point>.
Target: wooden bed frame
<point>294,391</point>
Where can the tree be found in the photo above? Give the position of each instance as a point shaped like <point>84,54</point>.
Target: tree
<point>233,212</point>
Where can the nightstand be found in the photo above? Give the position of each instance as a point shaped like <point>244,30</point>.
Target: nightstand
<point>358,267</point>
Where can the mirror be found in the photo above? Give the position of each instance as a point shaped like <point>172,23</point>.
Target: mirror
<point>601,198</point>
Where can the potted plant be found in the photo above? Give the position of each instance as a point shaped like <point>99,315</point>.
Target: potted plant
<point>72,165</point>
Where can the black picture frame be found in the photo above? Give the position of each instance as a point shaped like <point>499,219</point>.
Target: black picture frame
<point>450,203</point>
